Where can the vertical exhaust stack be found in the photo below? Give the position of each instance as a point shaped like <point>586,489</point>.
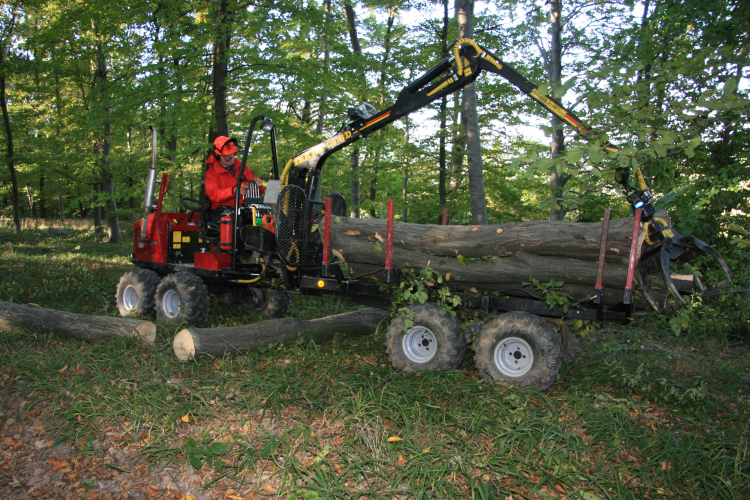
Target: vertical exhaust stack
<point>150,184</point>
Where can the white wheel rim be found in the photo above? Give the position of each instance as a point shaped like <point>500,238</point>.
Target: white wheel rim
<point>171,304</point>
<point>129,298</point>
<point>513,357</point>
<point>419,344</point>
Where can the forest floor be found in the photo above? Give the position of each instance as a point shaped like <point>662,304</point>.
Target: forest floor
<point>643,413</point>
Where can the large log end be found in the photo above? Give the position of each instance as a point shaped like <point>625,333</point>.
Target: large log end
<point>183,345</point>
<point>147,331</point>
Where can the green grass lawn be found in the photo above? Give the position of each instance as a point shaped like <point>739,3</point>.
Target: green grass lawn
<point>642,413</point>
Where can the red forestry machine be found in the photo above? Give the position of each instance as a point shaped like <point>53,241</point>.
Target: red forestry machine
<point>269,246</point>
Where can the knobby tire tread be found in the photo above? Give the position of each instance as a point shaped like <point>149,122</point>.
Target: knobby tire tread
<point>543,339</point>
<point>447,330</point>
<point>145,282</point>
<point>194,299</point>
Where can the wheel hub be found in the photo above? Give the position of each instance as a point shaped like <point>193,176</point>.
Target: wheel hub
<point>130,297</point>
<point>171,304</point>
<point>513,357</point>
<point>420,344</point>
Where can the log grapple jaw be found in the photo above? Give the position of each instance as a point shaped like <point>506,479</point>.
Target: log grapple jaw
<point>665,246</point>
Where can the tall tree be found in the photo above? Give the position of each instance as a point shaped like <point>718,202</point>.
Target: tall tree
<point>354,157</point>
<point>464,15</point>
<point>553,63</point>
<point>222,38</point>
<point>6,43</point>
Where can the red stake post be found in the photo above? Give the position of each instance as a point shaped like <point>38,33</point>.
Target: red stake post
<point>631,264</point>
<point>445,216</point>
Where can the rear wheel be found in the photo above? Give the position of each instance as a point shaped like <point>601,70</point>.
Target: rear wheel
<point>520,348</point>
<point>433,342</point>
<point>572,342</point>
<point>136,293</point>
<point>267,302</point>
<point>182,298</point>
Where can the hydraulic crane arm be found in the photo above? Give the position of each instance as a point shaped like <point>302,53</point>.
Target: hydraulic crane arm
<point>453,73</point>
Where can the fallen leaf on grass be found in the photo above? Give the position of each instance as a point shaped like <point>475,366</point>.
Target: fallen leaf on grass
<point>393,439</point>
<point>400,460</point>
<point>268,488</point>
<point>58,464</point>
<point>185,418</point>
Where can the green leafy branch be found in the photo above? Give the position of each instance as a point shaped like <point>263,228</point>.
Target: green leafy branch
<point>551,293</point>
<point>419,287</point>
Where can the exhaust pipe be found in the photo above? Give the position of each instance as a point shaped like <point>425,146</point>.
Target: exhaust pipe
<point>150,185</point>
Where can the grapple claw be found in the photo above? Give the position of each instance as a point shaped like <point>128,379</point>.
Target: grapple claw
<point>654,265</point>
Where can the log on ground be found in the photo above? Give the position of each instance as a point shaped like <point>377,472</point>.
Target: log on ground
<point>198,342</point>
<point>83,327</point>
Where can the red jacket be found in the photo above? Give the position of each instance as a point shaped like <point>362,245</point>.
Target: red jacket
<point>220,183</point>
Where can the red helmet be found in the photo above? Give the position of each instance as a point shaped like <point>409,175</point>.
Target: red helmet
<point>223,145</point>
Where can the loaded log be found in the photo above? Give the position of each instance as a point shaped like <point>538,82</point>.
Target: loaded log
<point>498,257</point>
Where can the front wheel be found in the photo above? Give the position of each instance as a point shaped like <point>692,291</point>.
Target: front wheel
<point>136,293</point>
<point>433,341</point>
<point>182,298</point>
<point>520,348</point>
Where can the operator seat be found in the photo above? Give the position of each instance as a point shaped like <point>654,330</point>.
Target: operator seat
<point>209,230</point>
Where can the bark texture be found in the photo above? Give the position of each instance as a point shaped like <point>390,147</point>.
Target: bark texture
<point>198,342</point>
<point>505,255</point>
<point>83,327</point>
<point>571,240</point>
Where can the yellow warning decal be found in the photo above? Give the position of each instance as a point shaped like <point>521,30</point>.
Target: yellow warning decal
<point>549,103</point>
<point>186,239</point>
<point>177,245</point>
<point>177,236</point>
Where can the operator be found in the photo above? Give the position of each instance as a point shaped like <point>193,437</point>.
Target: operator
<point>221,177</point>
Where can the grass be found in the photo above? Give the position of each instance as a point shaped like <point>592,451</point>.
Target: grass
<point>642,414</point>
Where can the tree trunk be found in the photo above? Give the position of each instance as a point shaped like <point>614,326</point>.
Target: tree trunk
<point>83,327</point>
<point>9,153</point>
<point>197,342</point>
<point>97,209</point>
<point>443,116</point>
<point>326,66</point>
<point>557,180</point>
<point>477,199</point>
<point>42,204</point>
<point>220,68</point>
<point>115,235</point>
<point>354,159</point>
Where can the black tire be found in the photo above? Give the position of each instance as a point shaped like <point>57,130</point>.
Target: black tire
<point>136,293</point>
<point>434,342</point>
<point>267,302</point>
<point>520,348</point>
<point>182,298</point>
<point>571,343</point>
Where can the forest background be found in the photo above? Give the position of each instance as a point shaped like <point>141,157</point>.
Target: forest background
<point>667,81</point>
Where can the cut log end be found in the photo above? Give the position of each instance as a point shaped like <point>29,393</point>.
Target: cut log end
<point>147,331</point>
<point>183,345</point>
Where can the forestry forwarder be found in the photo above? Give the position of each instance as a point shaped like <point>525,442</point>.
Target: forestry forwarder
<point>274,247</point>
